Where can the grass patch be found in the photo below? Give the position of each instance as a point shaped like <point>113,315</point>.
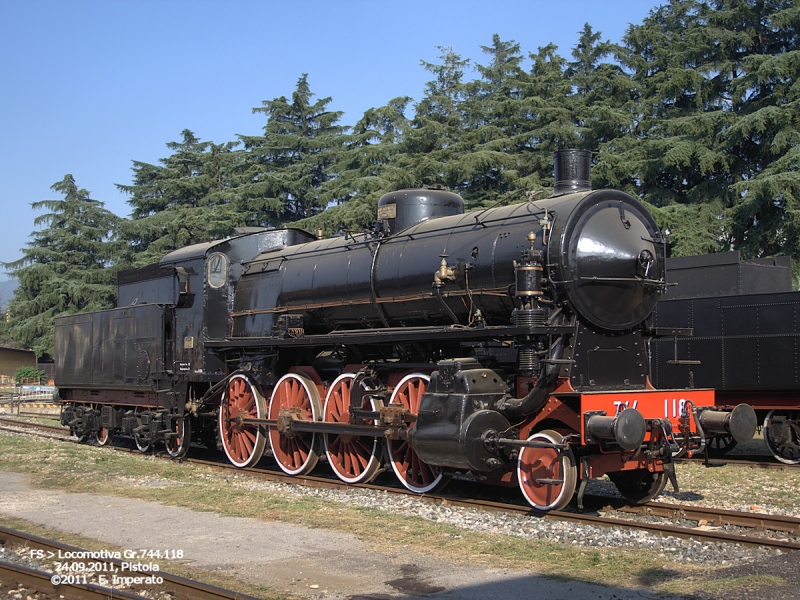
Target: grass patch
<point>745,487</point>
<point>75,468</point>
<point>41,419</point>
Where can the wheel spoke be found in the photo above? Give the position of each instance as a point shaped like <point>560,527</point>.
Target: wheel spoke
<point>348,463</point>
<point>248,446</point>
<point>782,435</point>
<point>546,476</point>
<point>296,455</point>
<point>361,460</point>
<point>236,448</point>
<point>178,445</point>
<point>354,459</point>
<point>244,402</point>
<point>408,457</point>
<point>297,395</point>
<point>413,472</point>
<point>414,400</point>
<point>243,444</point>
<point>303,444</point>
<point>420,470</point>
<point>361,447</point>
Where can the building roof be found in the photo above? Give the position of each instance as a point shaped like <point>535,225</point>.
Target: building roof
<point>13,349</point>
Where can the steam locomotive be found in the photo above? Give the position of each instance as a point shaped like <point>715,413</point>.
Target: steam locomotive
<point>508,345</point>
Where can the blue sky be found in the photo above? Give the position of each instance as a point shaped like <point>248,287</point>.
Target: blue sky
<point>89,86</point>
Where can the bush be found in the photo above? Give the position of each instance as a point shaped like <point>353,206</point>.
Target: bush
<point>29,375</point>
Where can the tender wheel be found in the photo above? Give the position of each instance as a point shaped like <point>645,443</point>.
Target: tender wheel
<point>243,444</point>
<point>354,459</point>
<point>639,486</point>
<point>142,442</point>
<point>547,476</point>
<point>413,473</point>
<point>104,437</point>
<point>782,435</point>
<point>721,444</point>
<point>178,446</point>
<point>296,455</point>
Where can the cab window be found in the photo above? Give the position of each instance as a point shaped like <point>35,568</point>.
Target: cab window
<point>217,270</point>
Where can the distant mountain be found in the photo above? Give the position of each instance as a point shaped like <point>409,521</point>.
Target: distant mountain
<point>7,291</point>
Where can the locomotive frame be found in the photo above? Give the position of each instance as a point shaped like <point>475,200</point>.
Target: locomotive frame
<point>508,346</point>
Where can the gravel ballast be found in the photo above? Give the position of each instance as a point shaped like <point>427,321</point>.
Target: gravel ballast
<point>672,548</point>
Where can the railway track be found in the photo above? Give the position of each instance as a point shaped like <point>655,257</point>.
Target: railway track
<point>179,588</point>
<point>713,525</point>
<point>58,429</point>
<point>710,517</point>
<point>40,582</point>
<point>755,461</point>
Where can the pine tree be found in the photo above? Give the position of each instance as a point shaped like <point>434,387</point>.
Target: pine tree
<point>368,165</point>
<point>682,159</point>
<point>436,138</point>
<point>604,98</point>
<point>765,137</point>
<point>186,199</point>
<point>549,122</point>
<point>287,166</point>
<point>672,156</point>
<point>716,142</point>
<point>495,112</point>
<point>67,267</point>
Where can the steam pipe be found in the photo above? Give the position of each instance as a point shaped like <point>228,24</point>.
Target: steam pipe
<point>515,409</point>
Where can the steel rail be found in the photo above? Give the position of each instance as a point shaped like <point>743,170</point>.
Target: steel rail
<point>42,583</point>
<point>179,587</point>
<point>753,461</point>
<point>30,424</point>
<point>758,522</point>
<point>715,517</point>
<point>755,521</point>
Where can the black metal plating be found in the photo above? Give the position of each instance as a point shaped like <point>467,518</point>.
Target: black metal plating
<point>744,324</point>
<point>571,169</point>
<point>343,283</point>
<point>455,412</point>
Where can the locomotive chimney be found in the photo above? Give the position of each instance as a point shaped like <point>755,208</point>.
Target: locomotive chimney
<point>571,171</point>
